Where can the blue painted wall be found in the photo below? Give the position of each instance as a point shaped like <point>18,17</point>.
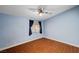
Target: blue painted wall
<point>14,30</point>
<point>64,27</point>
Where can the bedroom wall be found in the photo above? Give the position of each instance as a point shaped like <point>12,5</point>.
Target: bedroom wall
<point>14,30</point>
<point>64,27</point>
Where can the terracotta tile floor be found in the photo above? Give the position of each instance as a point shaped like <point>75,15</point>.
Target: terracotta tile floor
<point>43,45</point>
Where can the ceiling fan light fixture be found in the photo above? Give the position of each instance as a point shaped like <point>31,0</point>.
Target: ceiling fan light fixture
<point>40,14</point>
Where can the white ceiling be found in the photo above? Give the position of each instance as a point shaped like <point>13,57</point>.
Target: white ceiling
<point>23,10</point>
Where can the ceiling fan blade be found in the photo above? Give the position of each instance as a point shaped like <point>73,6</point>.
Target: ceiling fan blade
<point>47,12</point>
<point>32,9</point>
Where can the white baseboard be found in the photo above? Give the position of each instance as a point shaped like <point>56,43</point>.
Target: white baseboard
<point>38,38</point>
<point>19,43</point>
<point>62,41</point>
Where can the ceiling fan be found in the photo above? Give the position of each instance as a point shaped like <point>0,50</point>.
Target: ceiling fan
<point>41,10</point>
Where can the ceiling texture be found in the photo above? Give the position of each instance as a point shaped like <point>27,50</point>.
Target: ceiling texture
<point>23,10</point>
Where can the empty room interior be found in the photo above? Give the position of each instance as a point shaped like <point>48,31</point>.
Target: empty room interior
<point>39,28</point>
